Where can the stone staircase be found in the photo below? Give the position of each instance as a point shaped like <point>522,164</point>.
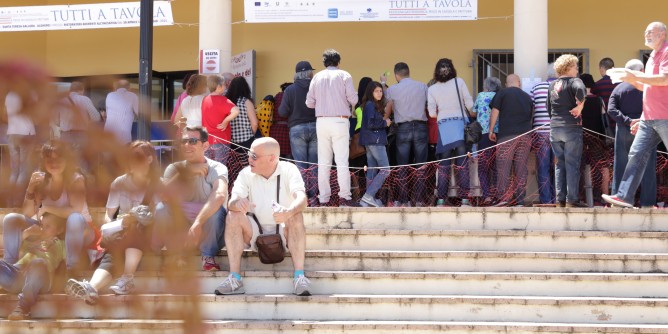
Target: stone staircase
<point>410,270</point>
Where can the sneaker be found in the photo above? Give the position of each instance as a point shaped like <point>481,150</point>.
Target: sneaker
<point>500,204</point>
<point>19,314</point>
<point>230,286</point>
<point>348,203</point>
<point>82,290</point>
<point>124,286</point>
<point>440,203</point>
<point>380,203</point>
<point>369,200</point>
<point>560,204</point>
<point>209,264</point>
<point>576,205</point>
<point>614,200</point>
<point>302,286</point>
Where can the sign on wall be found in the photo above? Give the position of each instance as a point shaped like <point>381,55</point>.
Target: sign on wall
<point>209,61</point>
<point>243,65</point>
<point>358,10</point>
<point>87,16</point>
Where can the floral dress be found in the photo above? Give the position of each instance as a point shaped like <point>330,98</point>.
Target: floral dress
<point>483,111</point>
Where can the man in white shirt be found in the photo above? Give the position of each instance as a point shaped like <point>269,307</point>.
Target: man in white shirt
<point>75,116</point>
<point>122,108</point>
<point>333,94</point>
<point>22,140</point>
<point>254,202</point>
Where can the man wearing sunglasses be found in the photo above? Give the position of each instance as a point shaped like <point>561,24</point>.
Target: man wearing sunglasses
<point>254,197</point>
<point>198,190</point>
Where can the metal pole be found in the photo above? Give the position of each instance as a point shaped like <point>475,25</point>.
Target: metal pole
<point>145,69</point>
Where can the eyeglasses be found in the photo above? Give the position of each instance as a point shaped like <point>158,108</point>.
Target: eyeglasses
<point>253,156</point>
<point>190,141</point>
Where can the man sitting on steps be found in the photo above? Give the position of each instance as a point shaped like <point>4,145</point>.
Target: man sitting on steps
<point>253,195</point>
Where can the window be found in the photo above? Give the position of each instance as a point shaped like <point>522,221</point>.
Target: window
<point>500,63</point>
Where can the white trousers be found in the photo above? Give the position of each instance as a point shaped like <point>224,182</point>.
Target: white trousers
<point>333,142</point>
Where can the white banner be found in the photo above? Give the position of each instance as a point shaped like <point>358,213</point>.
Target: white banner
<point>88,16</point>
<point>358,10</point>
<point>243,65</point>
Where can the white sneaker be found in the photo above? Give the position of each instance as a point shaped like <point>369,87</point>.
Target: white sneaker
<point>124,286</point>
<point>302,286</point>
<point>369,200</point>
<point>230,286</point>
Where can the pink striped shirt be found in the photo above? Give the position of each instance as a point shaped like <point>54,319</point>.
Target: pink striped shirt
<point>331,93</point>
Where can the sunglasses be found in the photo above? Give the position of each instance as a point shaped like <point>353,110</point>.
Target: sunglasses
<point>190,141</point>
<point>254,157</point>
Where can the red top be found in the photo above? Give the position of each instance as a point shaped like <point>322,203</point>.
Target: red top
<point>655,100</point>
<point>214,110</point>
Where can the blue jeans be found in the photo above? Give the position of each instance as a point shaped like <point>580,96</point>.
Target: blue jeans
<point>304,146</point>
<point>376,156</point>
<point>170,231</point>
<point>567,148</point>
<point>412,136</point>
<point>623,142</point>
<point>78,235</point>
<point>544,164</point>
<point>512,153</point>
<point>486,165</point>
<point>444,171</point>
<point>29,283</point>
<point>649,135</point>
<point>21,154</point>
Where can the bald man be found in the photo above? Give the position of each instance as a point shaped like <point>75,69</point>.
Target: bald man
<point>513,109</point>
<point>264,182</point>
<point>122,108</point>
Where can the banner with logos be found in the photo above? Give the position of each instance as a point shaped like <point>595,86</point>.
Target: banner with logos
<point>87,16</point>
<point>243,65</point>
<point>357,10</point>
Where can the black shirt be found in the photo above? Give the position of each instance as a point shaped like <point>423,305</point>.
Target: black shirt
<point>592,116</point>
<point>515,111</point>
<point>625,104</point>
<point>562,99</point>
<point>293,106</point>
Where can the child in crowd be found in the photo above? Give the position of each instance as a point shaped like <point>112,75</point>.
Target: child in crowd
<point>373,136</point>
<point>42,252</point>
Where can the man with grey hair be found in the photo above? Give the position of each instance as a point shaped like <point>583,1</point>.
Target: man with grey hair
<point>76,113</point>
<point>302,125</point>
<point>541,138</point>
<point>625,108</point>
<point>652,128</point>
<point>227,78</point>
<point>122,108</point>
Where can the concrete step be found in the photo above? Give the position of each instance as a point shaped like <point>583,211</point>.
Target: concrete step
<point>488,218</point>
<point>488,240</point>
<point>418,283</point>
<point>430,261</point>
<point>357,308</point>
<point>321,327</point>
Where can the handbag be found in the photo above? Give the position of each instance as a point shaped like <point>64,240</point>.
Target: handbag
<point>356,150</point>
<point>472,130</point>
<point>270,246</point>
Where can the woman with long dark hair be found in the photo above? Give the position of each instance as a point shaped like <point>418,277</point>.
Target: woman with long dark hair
<point>245,125</point>
<point>448,100</point>
<point>59,189</point>
<point>373,137</point>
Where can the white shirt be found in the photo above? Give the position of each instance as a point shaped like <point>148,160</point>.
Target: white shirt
<point>79,115</point>
<point>122,106</point>
<point>442,99</point>
<point>17,123</point>
<point>191,109</point>
<point>262,192</point>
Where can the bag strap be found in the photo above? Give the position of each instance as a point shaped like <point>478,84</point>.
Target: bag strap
<point>257,221</point>
<point>278,193</point>
<point>461,108</point>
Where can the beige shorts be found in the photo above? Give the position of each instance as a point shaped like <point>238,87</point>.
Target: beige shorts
<point>256,233</point>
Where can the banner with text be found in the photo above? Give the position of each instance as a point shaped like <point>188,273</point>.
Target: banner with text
<point>88,16</point>
<point>243,65</point>
<point>356,10</point>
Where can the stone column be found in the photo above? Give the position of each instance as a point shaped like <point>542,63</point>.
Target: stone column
<point>215,29</point>
<point>531,38</point>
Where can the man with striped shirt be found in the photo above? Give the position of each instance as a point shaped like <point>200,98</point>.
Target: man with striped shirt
<point>541,138</point>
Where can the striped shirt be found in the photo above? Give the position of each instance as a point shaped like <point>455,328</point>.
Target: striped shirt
<point>331,93</point>
<point>539,95</point>
<point>122,106</point>
<point>603,88</point>
<point>76,112</point>
<point>241,125</point>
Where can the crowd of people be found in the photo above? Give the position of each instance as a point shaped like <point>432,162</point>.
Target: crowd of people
<point>196,204</point>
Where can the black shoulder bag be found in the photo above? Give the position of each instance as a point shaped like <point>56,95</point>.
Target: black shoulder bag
<point>472,130</point>
<point>270,246</point>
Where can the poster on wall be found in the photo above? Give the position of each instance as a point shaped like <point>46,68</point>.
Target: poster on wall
<point>209,61</point>
<point>243,65</point>
<point>358,11</point>
<point>86,16</point>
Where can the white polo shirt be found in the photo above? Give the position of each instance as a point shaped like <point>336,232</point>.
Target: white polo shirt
<point>262,192</point>
<point>17,123</point>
